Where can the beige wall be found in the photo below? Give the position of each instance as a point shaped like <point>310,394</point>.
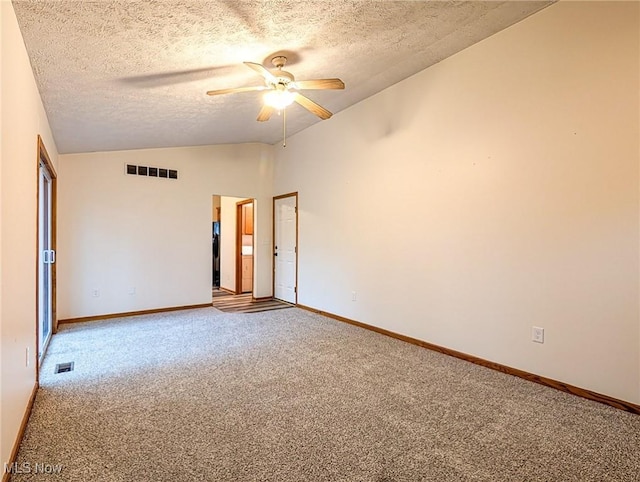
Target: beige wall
<point>23,118</point>
<point>118,232</point>
<point>495,191</point>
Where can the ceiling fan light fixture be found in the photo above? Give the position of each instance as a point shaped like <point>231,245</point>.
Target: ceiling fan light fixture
<point>282,90</point>
<point>278,99</point>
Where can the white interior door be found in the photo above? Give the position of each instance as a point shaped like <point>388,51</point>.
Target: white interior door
<point>47,257</point>
<point>285,250</point>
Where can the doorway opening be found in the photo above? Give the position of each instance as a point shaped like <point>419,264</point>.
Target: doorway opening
<point>244,246</point>
<point>46,323</point>
<point>233,242</point>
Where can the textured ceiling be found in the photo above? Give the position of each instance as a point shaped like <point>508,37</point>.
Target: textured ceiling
<point>133,74</point>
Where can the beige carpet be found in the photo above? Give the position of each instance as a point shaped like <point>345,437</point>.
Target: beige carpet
<point>291,396</point>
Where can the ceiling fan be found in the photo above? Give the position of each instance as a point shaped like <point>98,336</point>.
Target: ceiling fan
<point>282,89</point>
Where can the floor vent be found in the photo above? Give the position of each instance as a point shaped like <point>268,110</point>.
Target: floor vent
<point>64,367</point>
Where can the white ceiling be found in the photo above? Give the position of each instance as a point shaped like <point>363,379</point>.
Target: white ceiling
<point>133,74</point>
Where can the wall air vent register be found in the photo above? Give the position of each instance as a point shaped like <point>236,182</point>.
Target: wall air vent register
<point>150,171</point>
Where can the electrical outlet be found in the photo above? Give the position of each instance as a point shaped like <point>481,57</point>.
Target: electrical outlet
<point>95,293</point>
<point>26,359</point>
<point>537,334</point>
<point>353,296</point>
<point>132,290</point>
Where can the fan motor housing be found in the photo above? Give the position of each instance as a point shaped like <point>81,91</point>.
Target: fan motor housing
<point>283,76</point>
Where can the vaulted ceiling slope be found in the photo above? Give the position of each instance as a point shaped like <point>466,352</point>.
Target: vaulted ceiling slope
<point>133,74</point>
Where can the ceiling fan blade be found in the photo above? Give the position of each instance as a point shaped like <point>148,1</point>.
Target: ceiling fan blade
<point>265,113</point>
<point>320,84</point>
<point>237,89</point>
<point>311,106</point>
<point>262,70</point>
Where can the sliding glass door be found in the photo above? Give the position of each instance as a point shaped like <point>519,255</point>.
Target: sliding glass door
<point>46,258</point>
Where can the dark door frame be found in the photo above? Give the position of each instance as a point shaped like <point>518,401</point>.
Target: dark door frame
<point>239,223</point>
<point>273,243</point>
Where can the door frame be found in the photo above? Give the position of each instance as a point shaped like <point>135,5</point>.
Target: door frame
<point>239,243</point>
<point>43,157</point>
<point>273,243</point>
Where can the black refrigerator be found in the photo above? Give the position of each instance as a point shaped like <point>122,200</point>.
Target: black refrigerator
<point>215,241</point>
